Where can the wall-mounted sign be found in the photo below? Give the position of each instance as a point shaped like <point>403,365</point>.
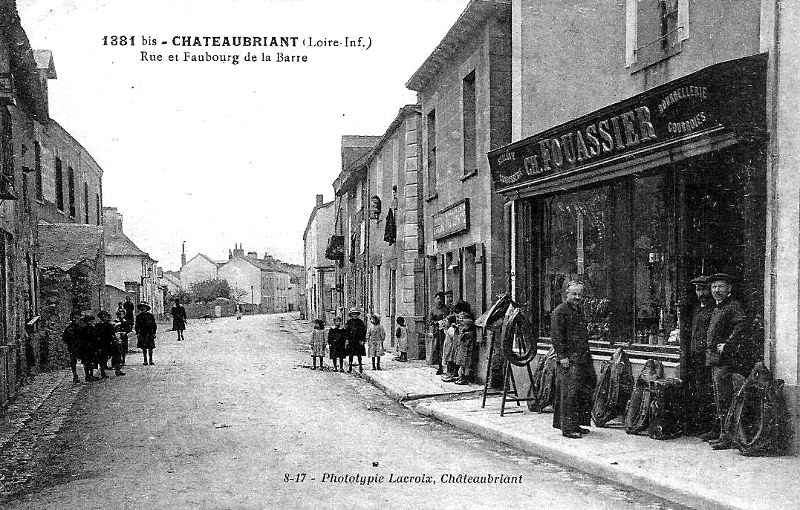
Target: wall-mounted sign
<point>451,220</point>
<point>729,95</point>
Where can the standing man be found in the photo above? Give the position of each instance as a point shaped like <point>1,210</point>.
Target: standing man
<point>146,332</point>
<point>356,338</point>
<point>179,318</point>
<point>70,338</point>
<point>86,344</point>
<point>575,379</point>
<point>107,345</point>
<point>128,306</point>
<point>726,333</point>
<point>701,414</point>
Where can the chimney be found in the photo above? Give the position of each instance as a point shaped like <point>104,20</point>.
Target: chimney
<point>252,255</point>
<point>238,251</point>
<point>183,254</point>
<point>319,200</point>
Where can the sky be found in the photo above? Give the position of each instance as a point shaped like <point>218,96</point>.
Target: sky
<point>216,153</point>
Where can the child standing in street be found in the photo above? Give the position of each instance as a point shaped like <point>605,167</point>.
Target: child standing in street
<point>337,343</point>
<point>375,338</point>
<point>401,333</point>
<point>318,344</point>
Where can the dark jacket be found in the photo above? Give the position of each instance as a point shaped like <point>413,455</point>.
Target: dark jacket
<point>178,317</point>
<point>726,328</point>
<point>356,336</point>
<point>337,340</point>
<point>106,339</point>
<point>146,325</point>
<point>70,337</point>
<point>86,341</point>
<point>700,321</point>
<point>569,333</point>
<point>128,306</point>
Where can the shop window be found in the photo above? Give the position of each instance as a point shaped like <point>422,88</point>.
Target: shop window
<point>655,259</point>
<point>655,30</point>
<point>431,169</point>
<point>71,190</point>
<point>37,158</point>
<point>469,122</point>
<point>59,185</point>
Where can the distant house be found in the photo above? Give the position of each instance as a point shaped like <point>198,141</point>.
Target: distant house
<point>263,283</point>
<point>130,271</point>
<point>198,269</point>
<point>171,280</point>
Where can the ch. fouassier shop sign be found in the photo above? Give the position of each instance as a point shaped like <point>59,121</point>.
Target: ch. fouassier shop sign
<point>727,95</point>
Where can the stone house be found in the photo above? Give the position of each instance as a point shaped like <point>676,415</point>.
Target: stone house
<point>320,271</point>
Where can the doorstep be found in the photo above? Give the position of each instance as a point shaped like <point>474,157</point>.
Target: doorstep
<point>683,470</point>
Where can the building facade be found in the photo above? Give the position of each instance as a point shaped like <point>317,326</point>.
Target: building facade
<point>320,271</point>
<point>130,271</point>
<point>652,151</point>
<point>261,283</point>
<point>394,233</point>
<point>198,269</point>
<point>464,92</point>
<point>350,222</point>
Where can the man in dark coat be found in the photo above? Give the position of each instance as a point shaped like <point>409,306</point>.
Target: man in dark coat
<point>179,318</point>
<point>128,306</point>
<point>146,332</point>
<point>107,344</point>
<point>575,379</point>
<point>356,338</point>
<point>70,338</point>
<point>700,410</point>
<point>86,344</point>
<point>439,312</point>
<point>725,336</point>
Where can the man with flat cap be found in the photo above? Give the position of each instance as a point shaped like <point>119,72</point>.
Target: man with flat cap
<point>726,333</point>
<point>700,410</point>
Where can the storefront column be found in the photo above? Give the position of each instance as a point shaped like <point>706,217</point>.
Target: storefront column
<point>785,224</point>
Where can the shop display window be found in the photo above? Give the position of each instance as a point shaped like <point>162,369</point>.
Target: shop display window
<point>619,241</point>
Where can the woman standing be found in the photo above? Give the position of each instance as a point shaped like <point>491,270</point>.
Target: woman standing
<point>375,338</point>
<point>146,332</point>
<point>466,345</point>
<point>178,319</point>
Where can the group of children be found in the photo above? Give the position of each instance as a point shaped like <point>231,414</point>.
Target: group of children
<point>350,341</point>
<point>458,350</point>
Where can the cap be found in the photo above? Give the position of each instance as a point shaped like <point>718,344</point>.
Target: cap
<point>721,277</point>
<point>143,305</point>
<point>354,311</point>
<point>102,313</point>
<point>700,280</point>
<point>87,315</point>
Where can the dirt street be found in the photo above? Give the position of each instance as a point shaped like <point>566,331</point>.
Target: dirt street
<point>234,418</point>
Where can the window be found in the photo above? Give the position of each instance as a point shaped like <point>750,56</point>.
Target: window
<point>655,30</point>
<point>99,209</point>
<point>37,158</point>
<point>25,183</point>
<point>86,203</point>
<point>59,185</point>
<point>71,186</point>
<point>469,120</point>
<point>431,153</point>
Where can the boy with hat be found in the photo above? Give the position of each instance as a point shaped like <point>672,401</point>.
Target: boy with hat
<point>726,332</point>
<point>146,332</point>
<point>356,338</point>
<point>107,344</point>
<point>700,411</point>
<point>85,344</point>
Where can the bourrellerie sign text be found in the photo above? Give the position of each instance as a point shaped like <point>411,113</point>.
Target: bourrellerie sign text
<point>725,95</point>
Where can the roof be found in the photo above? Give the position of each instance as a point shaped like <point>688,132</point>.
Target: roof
<point>44,61</point>
<point>475,13</point>
<point>202,256</point>
<point>65,245</point>
<point>84,152</point>
<point>313,215</point>
<point>262,265</point>
<point>120,245</point>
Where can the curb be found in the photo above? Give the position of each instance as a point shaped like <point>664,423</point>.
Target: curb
<point>659,488</point>
<point>402,396</point>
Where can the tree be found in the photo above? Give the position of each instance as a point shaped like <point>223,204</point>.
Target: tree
<point>181,295</point>
<point>209,290</point>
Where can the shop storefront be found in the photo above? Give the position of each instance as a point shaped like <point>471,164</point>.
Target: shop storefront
<point>636,199</point>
